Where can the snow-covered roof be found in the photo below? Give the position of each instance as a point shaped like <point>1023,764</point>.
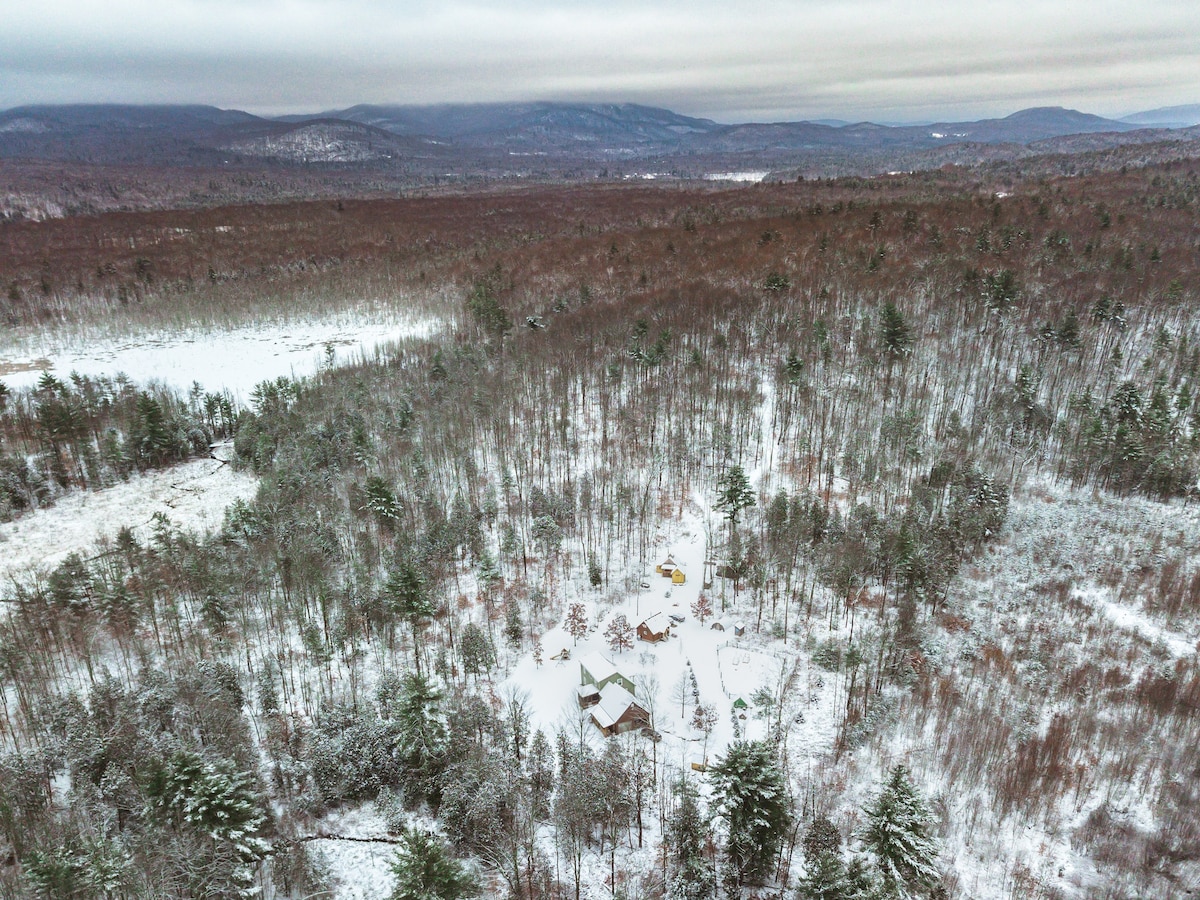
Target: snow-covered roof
<point>656,622</point>
<point>597,666</point>
<point>614,702</point>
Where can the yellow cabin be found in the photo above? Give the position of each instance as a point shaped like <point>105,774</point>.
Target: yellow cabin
<point>677,577</point>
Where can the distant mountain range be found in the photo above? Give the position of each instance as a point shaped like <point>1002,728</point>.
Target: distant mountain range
<point>503,134</point>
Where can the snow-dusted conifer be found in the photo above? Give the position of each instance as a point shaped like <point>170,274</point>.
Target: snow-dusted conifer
<point>425,870</point>
<point>898,835</point>
<point>750,795</point>
<point>691,874</point>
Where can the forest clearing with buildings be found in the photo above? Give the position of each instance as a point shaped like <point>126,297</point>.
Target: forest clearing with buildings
<point>920,451</point>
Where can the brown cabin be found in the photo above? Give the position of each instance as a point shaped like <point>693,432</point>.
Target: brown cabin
<point>654,628</point>
<point>618,711</point>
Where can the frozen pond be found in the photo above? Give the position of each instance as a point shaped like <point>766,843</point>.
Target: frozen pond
<point>233,360</point>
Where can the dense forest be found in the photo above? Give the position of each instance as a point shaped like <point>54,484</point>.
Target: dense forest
<point>933,426</point>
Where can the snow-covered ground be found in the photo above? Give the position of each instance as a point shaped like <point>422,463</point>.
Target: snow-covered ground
<point>358,869</point>
<point>235,360</point>
<point>738,176</point>
<point>192,496</point>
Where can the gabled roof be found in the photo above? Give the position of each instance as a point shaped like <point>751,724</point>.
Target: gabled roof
<point>655,622</point>
<point>614,703</point>
<point>598,667</point>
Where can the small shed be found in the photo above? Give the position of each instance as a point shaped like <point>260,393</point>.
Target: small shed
<point>595,670</point>
<point>618,711</point>
<point>654,628</point>
<point>739,628</point>
<point>677,576</point>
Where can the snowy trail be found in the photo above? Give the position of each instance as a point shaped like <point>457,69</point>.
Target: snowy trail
<point>760,476</point>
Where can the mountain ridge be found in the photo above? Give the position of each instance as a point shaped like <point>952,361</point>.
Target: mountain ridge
<point>494,137</point>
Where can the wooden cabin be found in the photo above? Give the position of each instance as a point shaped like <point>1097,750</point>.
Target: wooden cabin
<point>666,568</point>
<point>654,628</point>
<point>677,576</point>
<point>618,711</point>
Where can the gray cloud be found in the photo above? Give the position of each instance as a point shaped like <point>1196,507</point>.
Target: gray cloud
<point>763,59</point>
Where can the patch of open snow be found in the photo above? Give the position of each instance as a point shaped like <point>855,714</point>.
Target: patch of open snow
<point>193,496</point>
<point>1132,620</point>
<point>737,176</point>
<point>235,360</point>
<point>357,871</point>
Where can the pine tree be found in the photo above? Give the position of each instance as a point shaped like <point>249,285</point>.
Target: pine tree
<point>894,332</point>
<point>750,794</point>
<point>425,870</point>
<point>691,874</point>
<point>824,878</point>
<point>897,834</point>
<point>539,763</point>
<point>421,738</point>
<point>477,651</point>
<point>734,494</point>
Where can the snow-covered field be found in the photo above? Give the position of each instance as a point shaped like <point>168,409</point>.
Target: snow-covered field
<point>752,177</point>
<point>234,360</point>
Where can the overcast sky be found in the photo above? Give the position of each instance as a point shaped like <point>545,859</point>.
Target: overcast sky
<point>732,60</point>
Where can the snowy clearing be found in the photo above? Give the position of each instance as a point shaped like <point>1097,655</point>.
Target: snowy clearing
<point>235,360</point>
<point>754,177</point>
<point>192,496</point>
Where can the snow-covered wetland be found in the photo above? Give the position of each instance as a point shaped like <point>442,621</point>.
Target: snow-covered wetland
<point>231,359</point>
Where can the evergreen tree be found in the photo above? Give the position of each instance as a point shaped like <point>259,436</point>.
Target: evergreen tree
<point>478,654</point>
<point>898,835</point>
<point>824,878</point>
<point>425,870</point>
<point>751,797</point>
<point>734,494</point>
<point>691,873</point>
<point>540,767</point>
<point>421,739</point>
<point>894,332</point>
